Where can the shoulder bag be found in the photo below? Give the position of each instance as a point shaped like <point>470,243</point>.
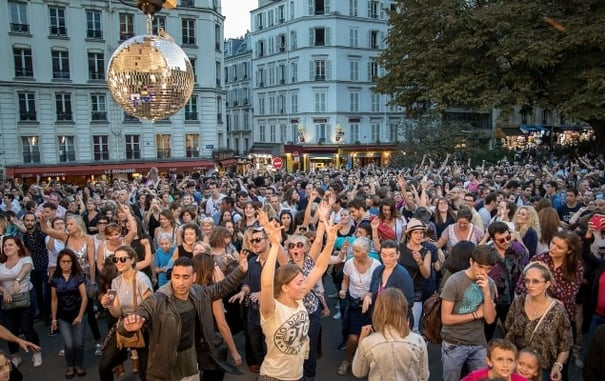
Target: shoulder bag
<point>19,300</point>
<point>136,340</point>
<point>552,303</point>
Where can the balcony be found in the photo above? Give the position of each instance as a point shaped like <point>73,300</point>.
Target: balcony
<point>190,115</point>
<point>98,116</point>
<point>319,77</point>
<point>58,31</point>
<point>27,116</point>
<point>61,74</point>
<point>24,72</point>
<point>19,28</point>
<point>64,116</point>
<point>125,36</point>
<point>96,75</point>
<point>91,33</point>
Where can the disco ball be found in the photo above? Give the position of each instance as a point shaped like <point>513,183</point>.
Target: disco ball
<point>150,77</point>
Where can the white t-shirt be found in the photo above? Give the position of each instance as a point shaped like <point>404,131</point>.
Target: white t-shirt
<point>359,284</point>
<point>8,275</point>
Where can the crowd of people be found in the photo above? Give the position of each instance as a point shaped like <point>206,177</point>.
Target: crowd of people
<point>515,250</point>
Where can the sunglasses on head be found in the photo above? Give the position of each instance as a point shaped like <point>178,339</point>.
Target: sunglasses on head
<point>120,259</point>
<point>256,240</point>
<point>298,245</point>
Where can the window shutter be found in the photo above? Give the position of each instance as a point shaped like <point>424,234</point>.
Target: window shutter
<point>328,37</point>
<point>328,70</point>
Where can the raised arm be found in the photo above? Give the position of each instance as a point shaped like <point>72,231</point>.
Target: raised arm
<point>61,235</point>
<point>267,302</point>
<point>324,258</point>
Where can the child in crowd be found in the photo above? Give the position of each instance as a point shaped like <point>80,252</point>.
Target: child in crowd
<point>501,363</point>
<point>162,258</point>
<point>528,364</point>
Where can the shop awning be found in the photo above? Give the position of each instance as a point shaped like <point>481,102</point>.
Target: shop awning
<point>106,169</point>
<point>537,128</point>
<point>231,162</point>
<point>273,149</point>
<point>508,131</point>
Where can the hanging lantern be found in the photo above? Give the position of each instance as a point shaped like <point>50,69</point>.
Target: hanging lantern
<point>150,77</point>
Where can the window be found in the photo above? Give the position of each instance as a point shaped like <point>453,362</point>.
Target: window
<point>63,106</point>
<point>188,30</point>
<point>282,132</point>
<point>354,97</point>
<point>191,108</point>
<point>219,110</point>
<point>354,70</point>
<point>31,149</point>
<point>353,8</point>
<point>320,101</point>
<point>374,39</point>
<point>126,26</point>
<point>96,66</point>
<point>159,23</point>
<point>281,42</point>
<point>100,147</point>
<point>133,147</point>
<point>319,7</point>
<point>98,110</point>
<point>192,145</point>
<point>67,150</point>
<point>375,132</point>
<point>319,37</point>
<point>319,70</point>
<point>18,17</point>
<point>354,37</point>
<point>375,107</point>
<point>281,104</point>
<point>270,17</point>
<point>261,105</point>
<point>57,21</point>
<point>93,25</point>
<point>281,14</point>
<point>217,71</point>
<point>321,132</point>
<point>217,37</point>
<point>60,59</point>
<point>27,107</point>
<point>23,62</point>
<point>259,21</point>
<point>373,71</point>
<point>162,144</point>
<point>393,129</point>
<point>354,131</point>
<point>262,133</point>
<point>294,71</point>
<point>193,66</point>
<point>294,103</point>
<point>272,136</point>
<point>293,40</point>
<point>373,9</point>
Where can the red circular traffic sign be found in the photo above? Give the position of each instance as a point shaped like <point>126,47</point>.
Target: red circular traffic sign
<point>277,163</point>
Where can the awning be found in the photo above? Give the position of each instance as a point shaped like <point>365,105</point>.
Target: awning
<point>273,149</point>
<point>106,169</point>
<point>508,131</point>
<point>527,128</point>
<point>228,162</point>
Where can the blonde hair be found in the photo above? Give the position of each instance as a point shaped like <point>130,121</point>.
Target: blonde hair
<point>532,221</point>
<point>391,313</point>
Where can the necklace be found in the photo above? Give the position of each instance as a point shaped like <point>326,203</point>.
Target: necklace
<point>536,310</point>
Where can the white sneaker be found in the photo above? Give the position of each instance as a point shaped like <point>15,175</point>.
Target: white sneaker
<point>337,315</point>
<point>37,359</point>
<point>62,353</point>
<point>16,361</point>
<point>98,349</point>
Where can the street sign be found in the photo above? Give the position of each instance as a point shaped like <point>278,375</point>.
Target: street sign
<point>277,163</point>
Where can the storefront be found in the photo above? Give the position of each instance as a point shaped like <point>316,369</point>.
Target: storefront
<point>317,157</point>
<point>85,173</point>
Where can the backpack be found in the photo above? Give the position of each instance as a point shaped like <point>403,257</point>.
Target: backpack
<point>431,319</point>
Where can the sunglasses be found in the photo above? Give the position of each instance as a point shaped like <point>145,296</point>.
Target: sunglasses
<point>504,239</point>
<point>120,259</point>
<point>256,240</point>
<point>298,245</point>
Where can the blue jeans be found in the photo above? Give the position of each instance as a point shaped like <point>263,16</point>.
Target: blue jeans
<point>453,357</point>
<point>73,341</point>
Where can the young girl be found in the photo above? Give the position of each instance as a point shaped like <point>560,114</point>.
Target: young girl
<point>281,305</point>
<point>501,363</point>
<point>528,364</point>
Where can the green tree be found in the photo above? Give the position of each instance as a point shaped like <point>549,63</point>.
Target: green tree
<point>494,53</point>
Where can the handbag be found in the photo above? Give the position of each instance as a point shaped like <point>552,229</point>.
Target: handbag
<point>136,340</point>
<point>20,300</point>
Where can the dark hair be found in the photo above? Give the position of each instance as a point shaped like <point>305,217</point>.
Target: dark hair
<point>497,227</point>
<point>75,265</point>
<point>459,255</point>
<point>203,267</point>
<point>570,265</point>
<point>23,252</point>
<point>484,255</point>
<point>389,244</point>
<point>464,213</point>
<point>183,261</point>
<point>503,344</point>
<point>195,228</point>
<point>132,254</point>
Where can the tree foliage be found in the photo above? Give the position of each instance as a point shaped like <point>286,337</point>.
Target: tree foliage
<point>494,53</point>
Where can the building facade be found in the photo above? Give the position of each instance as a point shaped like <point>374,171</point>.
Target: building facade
<point>57,116</point>
<point>312,78</point>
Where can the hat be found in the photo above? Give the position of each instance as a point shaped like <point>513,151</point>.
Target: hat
<point>414,224</point>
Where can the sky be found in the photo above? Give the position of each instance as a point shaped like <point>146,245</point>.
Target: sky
<point>237,13</point>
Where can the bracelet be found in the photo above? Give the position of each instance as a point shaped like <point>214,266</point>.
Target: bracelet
<point>474,315</point>
<point>18,279</point>
<point>54,321</point>
<point>558,365</point>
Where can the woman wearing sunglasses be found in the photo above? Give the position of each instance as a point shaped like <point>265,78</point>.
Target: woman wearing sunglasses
<point>119,301</point>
